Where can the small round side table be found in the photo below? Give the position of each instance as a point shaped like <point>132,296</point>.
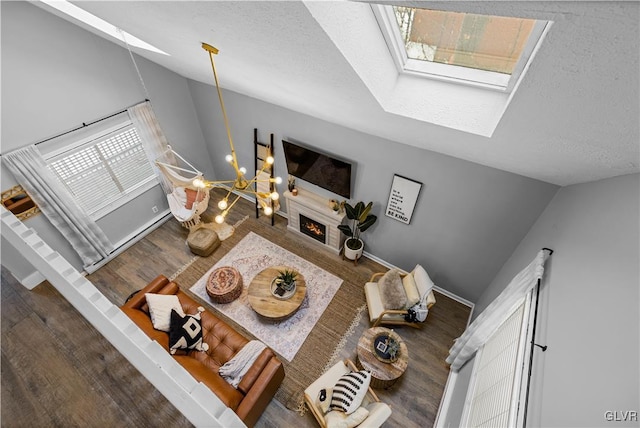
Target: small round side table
<point>383,374</point>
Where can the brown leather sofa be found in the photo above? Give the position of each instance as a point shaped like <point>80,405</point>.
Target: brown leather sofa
<point>259,384</point>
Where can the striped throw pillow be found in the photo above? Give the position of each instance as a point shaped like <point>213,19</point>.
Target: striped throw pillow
<point>349,391</point>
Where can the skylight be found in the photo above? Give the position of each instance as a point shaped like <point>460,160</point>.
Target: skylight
<point>482,50</point>
<point>100,24</point>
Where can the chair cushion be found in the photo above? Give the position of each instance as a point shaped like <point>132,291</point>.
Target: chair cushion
<point>374,301</point>
<point>336,419</point>
<point>392,291</point>
<point>423,282</point>
<point>411,290</point>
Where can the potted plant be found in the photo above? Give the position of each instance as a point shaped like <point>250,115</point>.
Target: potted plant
<point>285,281</point>
<point>360,220</point>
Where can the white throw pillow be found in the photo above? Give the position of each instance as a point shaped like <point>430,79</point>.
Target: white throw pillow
<point>160,306</point>
<point>423,282</point>
<point>411,290</point>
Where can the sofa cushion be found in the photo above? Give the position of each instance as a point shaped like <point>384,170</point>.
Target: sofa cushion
<point>142,320</point>
<point>392,291</point>
<point>349,391</point>
<point>186,332</point>
<point>160,306</point>
<point>230,396</point>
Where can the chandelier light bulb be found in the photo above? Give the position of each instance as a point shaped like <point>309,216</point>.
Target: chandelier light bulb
<point>275,196</point>
<point>243,170</point>
<point>268,211</point>
<point>278,180</point>
<point>270,160</point>
<point>198,182</point>
<point>222,204</point>
<point>219,219</point>
<point>228,158</point>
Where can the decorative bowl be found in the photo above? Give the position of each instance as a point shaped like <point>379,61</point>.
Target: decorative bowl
<point>383,347</point>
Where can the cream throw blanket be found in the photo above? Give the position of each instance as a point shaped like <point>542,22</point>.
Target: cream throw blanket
<point>233,370</point>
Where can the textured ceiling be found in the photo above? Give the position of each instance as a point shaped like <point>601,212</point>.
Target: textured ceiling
<point>575,117</point>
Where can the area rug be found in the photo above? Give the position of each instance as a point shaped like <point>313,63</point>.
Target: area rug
<point>250,256</point>
<point>327,339</point>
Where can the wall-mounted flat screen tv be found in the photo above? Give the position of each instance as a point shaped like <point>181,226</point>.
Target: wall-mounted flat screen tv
<point>318,168</point>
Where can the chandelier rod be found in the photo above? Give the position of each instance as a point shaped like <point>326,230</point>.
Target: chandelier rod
<point>213,51</point>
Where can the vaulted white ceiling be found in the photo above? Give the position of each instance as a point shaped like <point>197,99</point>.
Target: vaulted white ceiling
<point>574,118</point>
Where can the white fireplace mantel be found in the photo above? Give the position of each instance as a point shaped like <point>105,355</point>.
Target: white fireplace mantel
<point>316,208</point>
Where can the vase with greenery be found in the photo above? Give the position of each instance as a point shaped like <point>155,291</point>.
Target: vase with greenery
<point>286,279</point>
<point>359,220</point>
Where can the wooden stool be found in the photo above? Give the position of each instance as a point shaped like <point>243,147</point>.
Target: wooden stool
<point>203,241</point>
<point>224,284</point>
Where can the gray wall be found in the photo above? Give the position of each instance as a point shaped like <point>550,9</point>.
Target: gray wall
<point>468,219</point>
<point>589,314</point>
<point>55,76</point>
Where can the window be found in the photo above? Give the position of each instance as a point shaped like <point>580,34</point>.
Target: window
<point>497,393</point>
<point>490,51</point>
<point>104,170</point>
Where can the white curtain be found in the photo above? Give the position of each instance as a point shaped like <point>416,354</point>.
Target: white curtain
<point>153,139</point>
<point>496,313</point>
<point>58,204</point>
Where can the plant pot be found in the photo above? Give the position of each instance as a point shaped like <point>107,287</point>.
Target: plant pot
<point>353,254</point>
<point>280,292</point>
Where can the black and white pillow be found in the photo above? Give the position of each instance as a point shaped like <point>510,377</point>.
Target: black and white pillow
<point>186,332</point>
<point>349,391</point>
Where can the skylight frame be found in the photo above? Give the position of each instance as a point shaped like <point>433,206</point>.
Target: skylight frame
<point>100,24</point>
<point>452,73</point>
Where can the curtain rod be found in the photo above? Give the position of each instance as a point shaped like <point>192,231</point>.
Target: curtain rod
<point>85,124</point>
<point>533,346</point>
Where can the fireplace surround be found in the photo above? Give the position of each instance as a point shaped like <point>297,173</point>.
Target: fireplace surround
<point>309,216</point>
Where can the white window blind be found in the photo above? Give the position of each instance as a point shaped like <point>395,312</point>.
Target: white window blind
<point>499,374</point>
<point>105,169</point>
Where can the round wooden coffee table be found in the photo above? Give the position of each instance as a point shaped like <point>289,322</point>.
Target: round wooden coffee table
<point>383,374</point>
<point>266,304</point>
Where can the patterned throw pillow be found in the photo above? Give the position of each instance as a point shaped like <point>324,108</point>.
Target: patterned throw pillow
<point>186,332</point>
<point>160,306</point>
<point>349,391</point>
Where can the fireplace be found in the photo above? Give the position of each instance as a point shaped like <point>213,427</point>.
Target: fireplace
<point>313,228</point>
<point>310,217</point>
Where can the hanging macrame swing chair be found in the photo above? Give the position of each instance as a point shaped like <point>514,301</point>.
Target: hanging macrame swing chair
<point>187,196</point>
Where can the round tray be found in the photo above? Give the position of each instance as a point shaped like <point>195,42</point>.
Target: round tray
<point>286,295</point>
<point>380,345</point>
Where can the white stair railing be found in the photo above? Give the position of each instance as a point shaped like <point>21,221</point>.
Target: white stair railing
<point>196,402</point>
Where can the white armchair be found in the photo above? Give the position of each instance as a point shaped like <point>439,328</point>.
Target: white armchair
<point>418,290</point>
<point>378,412</point>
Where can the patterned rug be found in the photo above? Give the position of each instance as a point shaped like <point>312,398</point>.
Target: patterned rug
<point>250,256</point>
<point>331,332</point>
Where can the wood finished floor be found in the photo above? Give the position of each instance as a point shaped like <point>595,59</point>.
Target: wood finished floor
<point>57,370</point>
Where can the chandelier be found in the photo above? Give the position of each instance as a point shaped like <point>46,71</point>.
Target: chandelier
<point>240,185</point>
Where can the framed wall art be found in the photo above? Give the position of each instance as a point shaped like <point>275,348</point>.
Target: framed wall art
<point>402,198</point>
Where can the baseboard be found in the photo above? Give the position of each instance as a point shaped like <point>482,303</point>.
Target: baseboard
<point>31,280</point>
<point>438,289</point>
